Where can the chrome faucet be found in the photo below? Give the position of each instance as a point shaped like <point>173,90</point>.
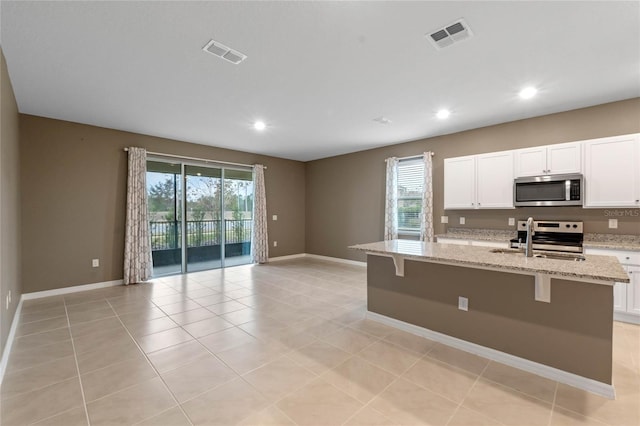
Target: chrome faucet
<point>528,251</point>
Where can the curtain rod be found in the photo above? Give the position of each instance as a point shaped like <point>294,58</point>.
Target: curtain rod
<point>206,160</point>
<point>412,156</point>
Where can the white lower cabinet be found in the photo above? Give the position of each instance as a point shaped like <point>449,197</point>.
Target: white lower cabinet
<point>478,243</point>
<point>633,290</point>
<point>494,244</point>
<point>620,297</point>
<point>453,241</point>
<point>626,297</point>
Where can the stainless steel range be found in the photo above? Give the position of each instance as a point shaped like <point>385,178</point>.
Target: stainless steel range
<point>550,235</point>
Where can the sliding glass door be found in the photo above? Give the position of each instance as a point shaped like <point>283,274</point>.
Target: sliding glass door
<point>203,213</point>
<point>205,226</point>
<point>164,195</point>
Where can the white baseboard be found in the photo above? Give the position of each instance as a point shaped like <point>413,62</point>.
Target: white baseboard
<point>624,317</point>
<point>72,289</point>
<point>6,351</point>
<point>336,259</point>
<point>289,257</point>
<point>551,373</point>
<point>319,257</point>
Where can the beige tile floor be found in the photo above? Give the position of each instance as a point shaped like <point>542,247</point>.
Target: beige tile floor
<point>278,344</point>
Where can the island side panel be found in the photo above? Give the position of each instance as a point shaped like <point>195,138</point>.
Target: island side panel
<point>572,333</point>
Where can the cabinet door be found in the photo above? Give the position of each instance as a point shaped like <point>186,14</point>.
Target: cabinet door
<point>459,183</point>
<point>494,180</point>
<point>494,244</point>
<point>453,241</point>
<point>633,290</point>
<point>564,158</point>
<point>612,172</point>
<point>531,161</point>
<point>620,297</point>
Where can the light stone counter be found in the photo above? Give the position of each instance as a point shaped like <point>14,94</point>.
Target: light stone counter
<point>591,240</point>
<point>600,269</point>
<point>612,241</point>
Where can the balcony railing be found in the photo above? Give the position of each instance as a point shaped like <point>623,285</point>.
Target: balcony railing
<point>167,235</point>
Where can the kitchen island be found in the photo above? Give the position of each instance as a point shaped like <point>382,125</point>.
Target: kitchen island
<point>553,317</point>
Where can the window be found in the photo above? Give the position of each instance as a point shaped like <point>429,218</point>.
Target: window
<point>409,194</point>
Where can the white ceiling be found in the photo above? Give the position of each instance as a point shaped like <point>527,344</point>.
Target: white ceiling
<point>317,73</point>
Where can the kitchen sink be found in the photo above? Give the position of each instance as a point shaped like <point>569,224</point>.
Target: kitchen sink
<point>561,256</point>
<point>506,251</point>
<point>545,255</point>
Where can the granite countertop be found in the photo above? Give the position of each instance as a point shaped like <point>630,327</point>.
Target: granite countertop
<point>606,241</point>
<point>612,241</point>
<point>498,235</point>
<point>599,268</point>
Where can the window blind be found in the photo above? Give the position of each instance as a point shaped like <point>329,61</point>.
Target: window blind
<point>409,192</point>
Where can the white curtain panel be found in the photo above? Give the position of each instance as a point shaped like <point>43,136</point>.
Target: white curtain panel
<point>259,236</point>
<point>138,265</point>
<point>391,200</point>
<point>426,216</point>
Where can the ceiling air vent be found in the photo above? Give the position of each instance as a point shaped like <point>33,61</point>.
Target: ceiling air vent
<point>450,34</point>
<point>220,50</point>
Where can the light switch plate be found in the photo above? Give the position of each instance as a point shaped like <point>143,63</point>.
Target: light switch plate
<point>512,221</point>
<point>613,223</point>
<point>462,221</point>
<point>275,244</point>
<point>444,219</point>
<point>275,217</point>
<point>95,263</point>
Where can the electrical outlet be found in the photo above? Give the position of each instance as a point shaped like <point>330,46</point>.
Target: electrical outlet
<point>613,223</point>
<point>512,221</point>
<point>462,221</point>
<point>275,217</point>
<point>463,303</point>
<point>95,263</point>
<point>275,244</point>
<point>444,219</point>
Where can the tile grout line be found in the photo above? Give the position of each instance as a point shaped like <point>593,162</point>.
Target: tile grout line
<point>75,357</point>
<point>468,392</point>
<point>553,403</point>
<point>154,369</point>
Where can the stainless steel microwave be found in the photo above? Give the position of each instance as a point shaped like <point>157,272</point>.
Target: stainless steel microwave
<point>549,190</point>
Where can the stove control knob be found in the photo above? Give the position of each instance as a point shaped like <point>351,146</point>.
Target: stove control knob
<point>568,226</point>
<point>575,226</point>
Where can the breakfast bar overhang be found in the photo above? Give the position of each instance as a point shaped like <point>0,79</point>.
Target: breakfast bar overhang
<point>549,316</point>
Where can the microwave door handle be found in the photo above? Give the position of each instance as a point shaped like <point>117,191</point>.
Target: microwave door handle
<point>567,189</point>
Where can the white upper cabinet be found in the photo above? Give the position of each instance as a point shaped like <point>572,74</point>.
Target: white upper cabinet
<point>460,183</point>
<point>494,180</point>
<point>549,160</point>
<point>479,181</point>
<point>612,172</point>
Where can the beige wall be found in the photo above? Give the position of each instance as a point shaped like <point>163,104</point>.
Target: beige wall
<point>572,333</point>
<point>74,183</point>
<point>345,194</point>
<point>9,203</point>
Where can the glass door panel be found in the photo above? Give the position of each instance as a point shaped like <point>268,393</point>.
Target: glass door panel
<point>238,208</point>
<point>164,184</point>
<point>203,224</point>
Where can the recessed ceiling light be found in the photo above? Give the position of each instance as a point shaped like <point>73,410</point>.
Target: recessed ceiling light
<point>528,92</point>
<point>259,125</point>
<point>382,120</point>
<point>443,113</point>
